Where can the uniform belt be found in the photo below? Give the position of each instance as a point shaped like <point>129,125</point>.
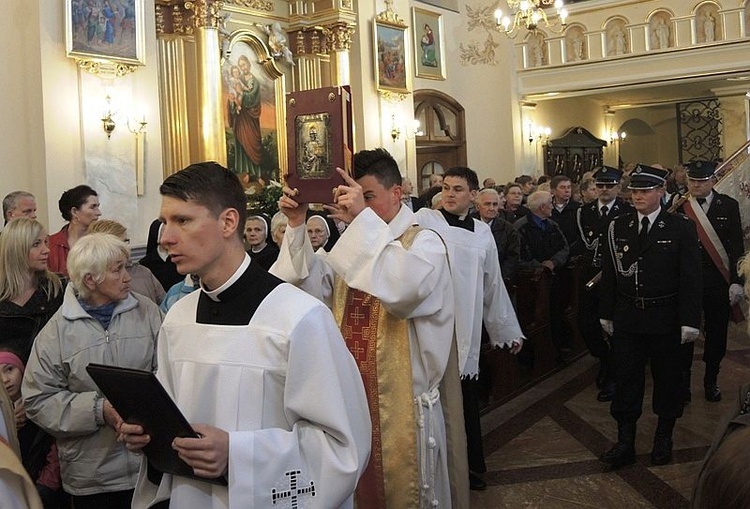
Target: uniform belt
<point>650,302</point>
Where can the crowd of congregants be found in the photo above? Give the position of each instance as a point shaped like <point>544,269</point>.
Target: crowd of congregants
<point>329,356</point>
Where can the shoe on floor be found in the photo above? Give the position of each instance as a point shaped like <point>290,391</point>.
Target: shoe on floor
<point>607,393</point>
<point>662,451</point>
<point>620,455</point>
<point>713,393</point>
<point>475,483</point>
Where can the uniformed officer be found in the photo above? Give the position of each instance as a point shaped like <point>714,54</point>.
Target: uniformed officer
<point>650,304</point>
<point>717,218</point>
<point>592,220</point>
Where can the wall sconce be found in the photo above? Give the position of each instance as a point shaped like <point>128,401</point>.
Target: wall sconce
<point>615,137</point>
<point>539,133</point>
<point>108,123</point>
<point>413,131</point>
<point>395,130</point>
<point>140,128</point>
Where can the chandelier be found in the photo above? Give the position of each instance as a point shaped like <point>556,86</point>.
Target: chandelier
<point>529,14</point>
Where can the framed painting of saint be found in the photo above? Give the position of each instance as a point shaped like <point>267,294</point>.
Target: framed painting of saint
<point>429,49</point>
<point>391,55</point>
<point>111,30</point>
<point>254,118</point>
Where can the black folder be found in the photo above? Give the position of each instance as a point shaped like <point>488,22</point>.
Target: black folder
<point>140,399</point>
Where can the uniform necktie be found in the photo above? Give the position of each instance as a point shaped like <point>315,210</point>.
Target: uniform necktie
<point>702,203</point>
<point>643,235</point>
<point>604,210</point>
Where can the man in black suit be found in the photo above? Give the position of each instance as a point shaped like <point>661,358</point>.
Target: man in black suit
<point>410,201</point>
<point>543,246</point>
<point>592,220</point>
<point>506,237</point>
<point>650,304</point>
<point>564,208</point>
<point>717,218</point>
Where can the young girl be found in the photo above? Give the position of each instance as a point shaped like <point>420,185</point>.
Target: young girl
<point>38,450</point>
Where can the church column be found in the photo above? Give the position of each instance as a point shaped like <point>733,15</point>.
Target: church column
<point>339,36</point>
<point>211,138</point>
<point>171,31</point>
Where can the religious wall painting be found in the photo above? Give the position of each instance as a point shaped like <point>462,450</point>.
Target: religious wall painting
<point>576,48</point>
<point>110,30</point>
<point>391,56</point>
<point>660,30</point>
<point>253,112</point>
<point>708,27</point>
<point>429,46</point>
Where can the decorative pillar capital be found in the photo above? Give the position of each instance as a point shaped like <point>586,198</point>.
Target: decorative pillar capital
<point>206,13</point>
<point>339,36</point>
<point>173,19</point>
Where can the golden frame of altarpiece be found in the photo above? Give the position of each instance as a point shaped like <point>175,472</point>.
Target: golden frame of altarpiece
<point>253,99</point>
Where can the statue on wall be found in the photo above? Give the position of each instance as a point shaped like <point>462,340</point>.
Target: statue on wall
<point>278,42</point>
<point>662,34</point>
<point>619,38</point>
<point>578,47</point>
<point>709,27</point>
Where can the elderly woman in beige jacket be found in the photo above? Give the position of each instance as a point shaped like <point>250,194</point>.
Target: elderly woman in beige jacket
<point>99,321</point>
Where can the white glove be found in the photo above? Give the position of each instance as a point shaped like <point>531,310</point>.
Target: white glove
<point>736,294</point>
<point>608,326</point>
<point>689,334</point>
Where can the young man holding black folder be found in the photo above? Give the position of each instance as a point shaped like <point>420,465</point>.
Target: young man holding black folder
<point>260,363</point>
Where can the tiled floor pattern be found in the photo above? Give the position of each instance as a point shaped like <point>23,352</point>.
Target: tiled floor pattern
<point>542,447</point>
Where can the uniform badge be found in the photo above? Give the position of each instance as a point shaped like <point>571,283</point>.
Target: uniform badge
<point>591,233</point>
<point>630,224</point>
<point>625,248</point>
<point>661,224</point>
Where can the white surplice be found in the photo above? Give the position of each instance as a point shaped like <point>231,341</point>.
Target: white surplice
<point>411,284</point>
<point>284,387</point>
<point>478,286</point>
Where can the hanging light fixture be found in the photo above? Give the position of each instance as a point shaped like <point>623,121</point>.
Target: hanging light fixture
<point>530,14</point>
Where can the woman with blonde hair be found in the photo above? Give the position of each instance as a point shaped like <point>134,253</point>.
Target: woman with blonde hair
<point>144,281</point>
<point>29,292</point>
<point>99,321</point>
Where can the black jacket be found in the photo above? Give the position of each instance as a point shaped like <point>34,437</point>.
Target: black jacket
<point>667,267</point>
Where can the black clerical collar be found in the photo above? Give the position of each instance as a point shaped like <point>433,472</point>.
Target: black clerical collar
<point>240,300</point>
<point>467,223</point>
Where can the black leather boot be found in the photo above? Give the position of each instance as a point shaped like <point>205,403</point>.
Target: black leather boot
<point>607,391</point>
<point>710,384</point>
<point>661,454</point>
<point>623,452</point>
<point>687,395</point>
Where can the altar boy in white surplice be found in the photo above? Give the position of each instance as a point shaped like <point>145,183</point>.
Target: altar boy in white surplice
<point>257,366</point>
<point>388,283</point>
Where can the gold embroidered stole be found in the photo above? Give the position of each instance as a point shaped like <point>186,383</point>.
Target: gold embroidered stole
<point>379,343</point>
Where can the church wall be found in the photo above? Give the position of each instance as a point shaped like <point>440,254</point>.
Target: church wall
<point>74,148</point>
<point>22,133</point>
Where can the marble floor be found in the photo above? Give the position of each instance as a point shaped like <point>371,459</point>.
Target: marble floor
<point>542,447</point>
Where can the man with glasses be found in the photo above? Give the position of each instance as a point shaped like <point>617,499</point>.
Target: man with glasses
<point>592,221</point>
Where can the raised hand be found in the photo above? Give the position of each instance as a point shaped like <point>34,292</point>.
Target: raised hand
<point>295,212</point>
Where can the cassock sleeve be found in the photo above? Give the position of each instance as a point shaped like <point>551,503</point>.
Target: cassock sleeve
<point>328,442</point>
<point>410,283</point>
<point>499,317</point>
<point>299,265</point>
